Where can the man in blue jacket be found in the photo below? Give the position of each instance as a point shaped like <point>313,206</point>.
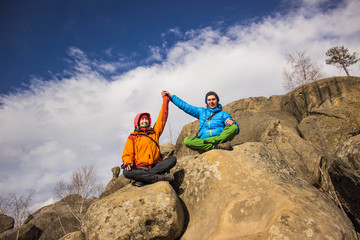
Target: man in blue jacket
<point>216,127</point>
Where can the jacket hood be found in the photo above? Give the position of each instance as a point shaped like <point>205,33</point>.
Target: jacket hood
<point>138,117</point>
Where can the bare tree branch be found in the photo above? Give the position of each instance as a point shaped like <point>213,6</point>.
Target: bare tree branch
<point>16,206</point>
<point>74,193</point>
<point>300,70</point>
<point>5,205</point>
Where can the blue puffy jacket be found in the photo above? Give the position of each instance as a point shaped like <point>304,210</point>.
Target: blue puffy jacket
<point>210,128</point>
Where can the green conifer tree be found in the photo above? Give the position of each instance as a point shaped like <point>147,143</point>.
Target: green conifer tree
<point>341,58</point>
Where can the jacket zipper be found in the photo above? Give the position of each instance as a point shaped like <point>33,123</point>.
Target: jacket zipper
<point>209,123</point>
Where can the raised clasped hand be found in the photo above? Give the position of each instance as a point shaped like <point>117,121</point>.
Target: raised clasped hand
<point>165,93</point>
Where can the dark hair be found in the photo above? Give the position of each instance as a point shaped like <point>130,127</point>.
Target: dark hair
<point>212,93</point>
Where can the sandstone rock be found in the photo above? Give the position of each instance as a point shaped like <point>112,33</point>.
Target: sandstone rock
<point>190,129</point>
<point>150,212</point>
<point>254,104</point>
<point>316,120</point>
<point>345,173</point>
<point>50,222</point>
<point>300,154</point>
<point>114,185</point>
<point>56,220</point>
<point>24,232</point>
<point>250,193</point>
<point>321,96</point>
<point>6,223</point>
<point>349,154</point>
<point>253,124</point>
<point>78,235</point>
<point>166,150</point>
<point>328,111</point>
<point>327,133</point>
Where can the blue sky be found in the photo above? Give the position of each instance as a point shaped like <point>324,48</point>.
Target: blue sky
<point>36,35</point>
<point>74,74</point>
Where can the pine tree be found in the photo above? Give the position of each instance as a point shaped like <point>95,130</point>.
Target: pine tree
<point>341,58</point>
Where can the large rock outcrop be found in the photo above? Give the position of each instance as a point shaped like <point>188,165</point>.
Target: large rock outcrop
<point>50,222</point>
<point>315,128</point>
<point>251,193</point>
<point>328,112</point>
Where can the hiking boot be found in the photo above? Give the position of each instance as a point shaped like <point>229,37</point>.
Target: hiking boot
<point>166,177</point>
<point>138,184</point>
<point>224,146</point>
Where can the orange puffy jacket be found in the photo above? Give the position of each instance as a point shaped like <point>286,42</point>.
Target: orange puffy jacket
<point>139,149</point>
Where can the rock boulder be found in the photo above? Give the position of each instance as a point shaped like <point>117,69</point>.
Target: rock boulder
<point>6,223</point>
<point>49,223</point>
<point>150,212</point>
<point>250,193</point>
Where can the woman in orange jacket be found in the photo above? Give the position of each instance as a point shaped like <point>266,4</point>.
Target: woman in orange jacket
<point>141,156</point>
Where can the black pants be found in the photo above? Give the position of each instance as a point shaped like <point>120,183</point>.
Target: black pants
<point>150,175</point>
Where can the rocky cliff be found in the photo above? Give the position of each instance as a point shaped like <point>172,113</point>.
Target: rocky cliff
<point>293,174</point>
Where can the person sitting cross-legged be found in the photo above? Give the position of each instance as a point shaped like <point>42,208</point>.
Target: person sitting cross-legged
<point>216,127</point>
<point>141,156</point>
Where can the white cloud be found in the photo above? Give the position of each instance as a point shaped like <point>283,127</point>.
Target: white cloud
<point>176,31</point>
<point>39,205</point>
<point>156,54</point>
<point>108,52</point>
<point>60,125</point>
